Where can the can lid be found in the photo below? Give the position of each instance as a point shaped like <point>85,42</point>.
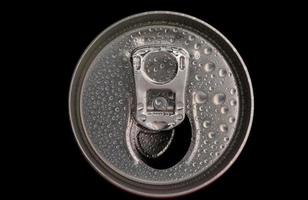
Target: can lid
<point>161,104</point>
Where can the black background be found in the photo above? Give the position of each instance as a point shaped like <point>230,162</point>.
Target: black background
<point>50,38</point>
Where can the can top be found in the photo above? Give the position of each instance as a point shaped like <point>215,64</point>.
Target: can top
<point>154,70</point>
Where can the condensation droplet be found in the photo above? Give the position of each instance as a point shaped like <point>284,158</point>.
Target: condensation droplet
<point>226,139</point>
<point>191,37</point>
<point>224,109</point>
<point>196,55</point>
<point>231,120</point>
<point>175,30</point>
<point>233,102</point>
<point>206,124</point>
<point>222,72</point>
<point>207,50</point>
<point>223,127</point>
<point>219,98</point>
<point>198,77</point>
<point>211,134</point>
<point>209,67</point>
<point>233,91</point>
<point>197,46</point>
<point>200,97</point>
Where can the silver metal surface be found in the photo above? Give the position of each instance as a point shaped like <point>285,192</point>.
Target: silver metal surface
<point>138,80</point>
<point>160,74</point>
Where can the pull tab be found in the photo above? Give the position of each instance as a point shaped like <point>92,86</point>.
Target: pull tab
<point>160,74</point>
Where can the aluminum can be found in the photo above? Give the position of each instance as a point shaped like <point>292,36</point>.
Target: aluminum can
<point>161,104</point>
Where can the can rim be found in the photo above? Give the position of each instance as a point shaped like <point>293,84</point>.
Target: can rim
<point>75,128</point>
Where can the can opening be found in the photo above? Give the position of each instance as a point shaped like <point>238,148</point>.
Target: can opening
<point>164,149</point>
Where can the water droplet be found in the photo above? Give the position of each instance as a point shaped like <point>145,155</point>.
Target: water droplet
<point>211,134</point>
<point>197,46</point>
<point>224,109</point>
<point>198,77</point>
<point>200,97</point>
<point>233,102</point>
<point>233,91</point>
<point>175,30</point>
<point>191,37</point>
<point>207,50</point>
<point>231,120</point>
<point>117,109</point>
<point>206,124</point>
<point>219,98</point>
<point>226,139</point>
<point>197,55</point>
<point>222,72</point>
<point>201,108</point>
<point>223,127</point>
<point>186,42</point>
<point>208,67</point>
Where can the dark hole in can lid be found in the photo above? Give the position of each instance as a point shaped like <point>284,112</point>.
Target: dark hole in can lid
<point>164,149</point>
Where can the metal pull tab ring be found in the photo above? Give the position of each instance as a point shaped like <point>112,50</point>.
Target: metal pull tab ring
<point>160,74</point>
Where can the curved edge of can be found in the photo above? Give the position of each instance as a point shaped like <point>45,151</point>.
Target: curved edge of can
<point>91,160</point>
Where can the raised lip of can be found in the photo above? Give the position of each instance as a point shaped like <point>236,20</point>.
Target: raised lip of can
<point>91,155</point>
